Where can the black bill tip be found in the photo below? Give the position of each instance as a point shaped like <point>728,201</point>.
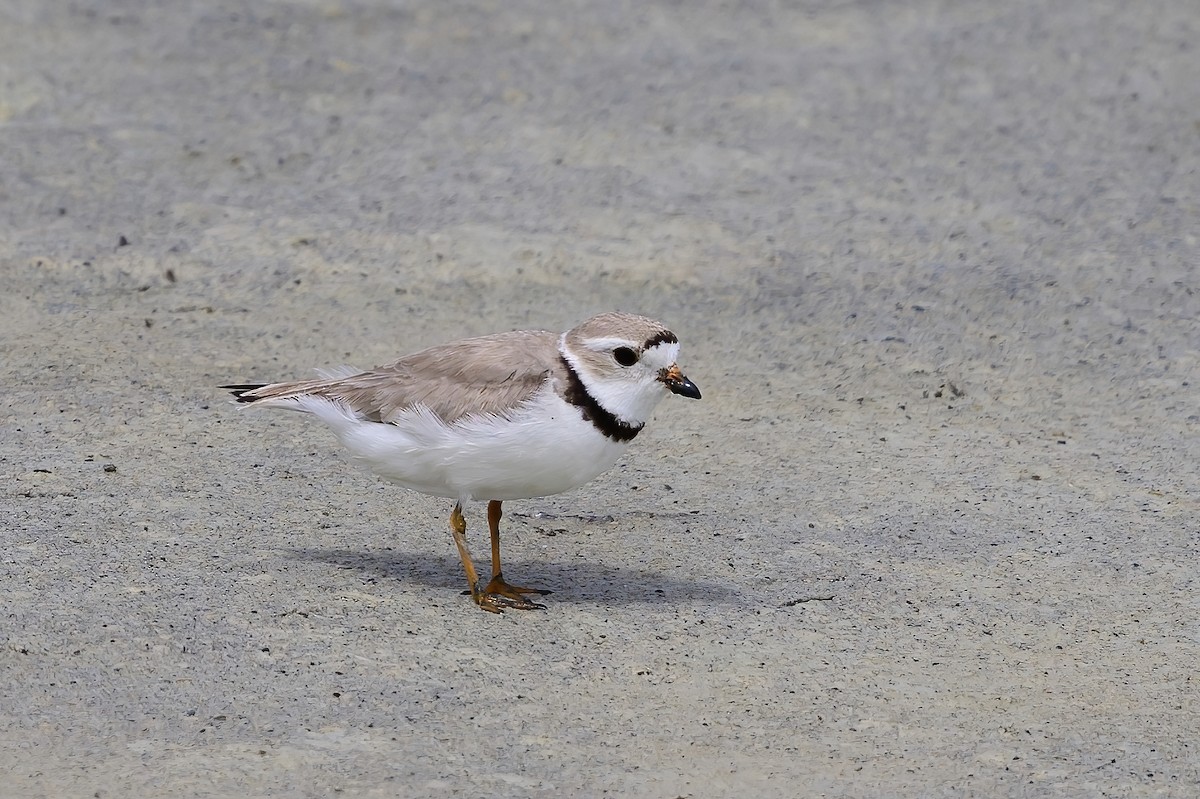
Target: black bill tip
<point>684,388</point>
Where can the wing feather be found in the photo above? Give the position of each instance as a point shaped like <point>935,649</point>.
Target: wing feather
<point>477,376</point>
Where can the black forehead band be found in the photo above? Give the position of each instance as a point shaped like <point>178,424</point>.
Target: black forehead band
<point>660,337</point>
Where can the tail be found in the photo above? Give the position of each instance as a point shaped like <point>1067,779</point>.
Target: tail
<point>301,395</point>
<point>242,391</point>
<point>304,396</point>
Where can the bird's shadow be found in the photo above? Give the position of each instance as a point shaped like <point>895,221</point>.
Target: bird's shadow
<point>580,583</point>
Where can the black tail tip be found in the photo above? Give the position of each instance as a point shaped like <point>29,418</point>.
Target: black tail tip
<point>241,390</point>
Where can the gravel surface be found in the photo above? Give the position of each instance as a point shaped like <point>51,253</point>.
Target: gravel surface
<point>932,531</point>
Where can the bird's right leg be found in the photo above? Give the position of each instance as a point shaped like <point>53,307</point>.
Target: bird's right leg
<point>498,585</point>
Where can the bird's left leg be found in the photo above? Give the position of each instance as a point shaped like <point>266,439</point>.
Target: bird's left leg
<point>458,528</point>
<point>498,586</point>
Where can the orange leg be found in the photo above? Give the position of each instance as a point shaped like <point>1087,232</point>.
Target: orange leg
<point>497,586</point>
<point>458,528</point>
<point>497,594</point>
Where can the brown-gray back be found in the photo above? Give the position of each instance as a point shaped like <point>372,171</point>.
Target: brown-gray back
<point>485,375</point>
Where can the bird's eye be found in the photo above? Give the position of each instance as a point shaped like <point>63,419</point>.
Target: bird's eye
<point>625,356</point>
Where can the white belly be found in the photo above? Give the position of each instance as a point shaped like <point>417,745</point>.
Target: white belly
<point>544,448</point>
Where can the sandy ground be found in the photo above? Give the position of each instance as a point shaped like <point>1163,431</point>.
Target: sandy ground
<point>932,531</point>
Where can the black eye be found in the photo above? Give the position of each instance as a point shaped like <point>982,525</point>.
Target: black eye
<point>625,356</point>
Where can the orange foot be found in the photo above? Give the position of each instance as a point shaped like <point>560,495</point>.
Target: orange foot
<point>498,596</point>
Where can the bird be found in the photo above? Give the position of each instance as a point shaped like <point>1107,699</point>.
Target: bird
<point>508,416</point>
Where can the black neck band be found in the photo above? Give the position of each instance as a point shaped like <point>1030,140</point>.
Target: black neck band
<point>577,394</point>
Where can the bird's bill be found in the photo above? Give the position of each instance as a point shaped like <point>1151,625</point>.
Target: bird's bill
<point>677,383</point>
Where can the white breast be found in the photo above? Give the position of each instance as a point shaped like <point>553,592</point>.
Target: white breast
<point>545,447</point>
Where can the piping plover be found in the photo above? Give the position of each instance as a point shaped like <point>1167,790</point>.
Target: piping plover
<point>500,417</point>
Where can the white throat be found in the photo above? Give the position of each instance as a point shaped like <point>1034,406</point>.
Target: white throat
<point>630,400</point>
